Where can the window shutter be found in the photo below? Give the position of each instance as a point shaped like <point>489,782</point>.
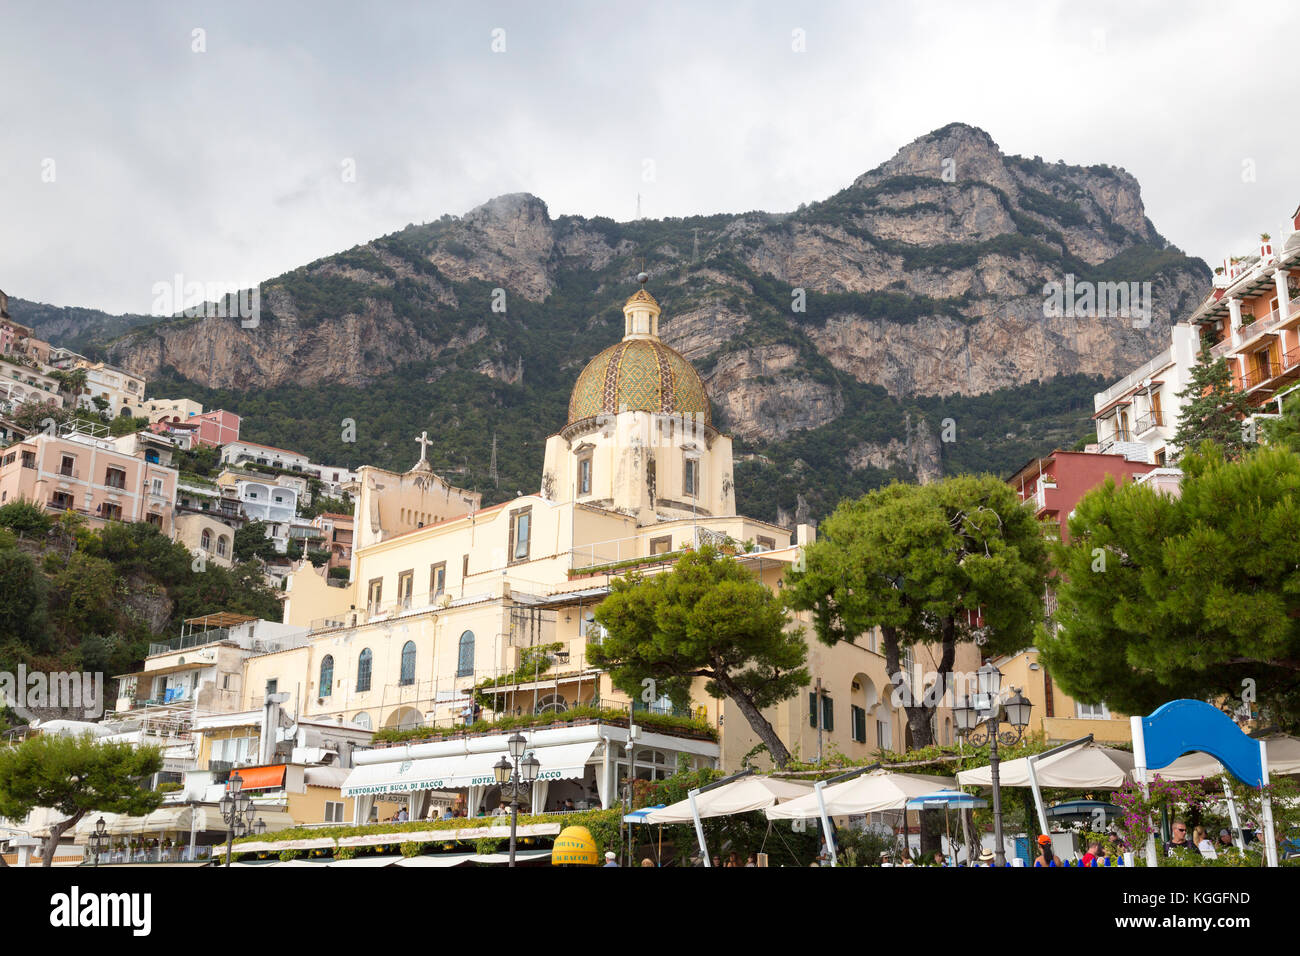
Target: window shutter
<point>828,713</point>
<point>812,709</point>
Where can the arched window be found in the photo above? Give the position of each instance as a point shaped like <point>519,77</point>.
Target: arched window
<point>205,540</point>
<point>465,662</point>
<point>326,676</point>
<point>362,719</point>
<point>408,664</point>
<point>221,545</point>
<point>363,671</point>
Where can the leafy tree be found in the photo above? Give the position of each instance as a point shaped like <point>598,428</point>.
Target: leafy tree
<point>251,542</point>
<point>1284,431</point>
<point>1196,595</point>
<point>25,517</point>
<point>32,416</point>
<point>85,594</point>
<point>1214,408</point>
<point>23,596</point>
<point>708,617</point>
<point>956,561</point>
<point>75,776</point>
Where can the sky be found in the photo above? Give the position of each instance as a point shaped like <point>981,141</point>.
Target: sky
<point>230,142</point>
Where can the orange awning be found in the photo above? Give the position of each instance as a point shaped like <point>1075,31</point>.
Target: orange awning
<point>261,778</point>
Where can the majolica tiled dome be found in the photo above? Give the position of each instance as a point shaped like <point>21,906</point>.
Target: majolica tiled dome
<point>640,375</point>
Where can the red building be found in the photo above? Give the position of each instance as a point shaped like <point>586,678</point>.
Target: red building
<point>217,427</point>
<point>1056,482</point>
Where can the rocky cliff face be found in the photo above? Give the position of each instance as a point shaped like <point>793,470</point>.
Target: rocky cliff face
<point>925,277</point>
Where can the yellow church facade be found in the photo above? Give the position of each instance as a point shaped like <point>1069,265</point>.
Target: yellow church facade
<point>446,594</point>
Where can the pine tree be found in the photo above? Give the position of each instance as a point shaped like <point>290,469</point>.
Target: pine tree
<point>1215,408</point>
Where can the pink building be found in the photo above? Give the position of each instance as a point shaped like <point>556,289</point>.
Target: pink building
<point>217,427</point>
<point>90,476</point>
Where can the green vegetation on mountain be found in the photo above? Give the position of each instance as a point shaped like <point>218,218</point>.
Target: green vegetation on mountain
<point>76,599</point>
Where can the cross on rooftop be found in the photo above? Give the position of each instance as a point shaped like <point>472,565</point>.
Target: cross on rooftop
<point>424,442</point>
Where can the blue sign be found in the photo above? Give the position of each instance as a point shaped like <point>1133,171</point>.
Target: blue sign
<point>1184,726</point>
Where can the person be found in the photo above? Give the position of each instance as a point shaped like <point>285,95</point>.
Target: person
<point>568,806</point>
<point>647,862</point>
<point>1045,855</point>
<point>447,814</point>
<point>884,858</point>
<point>938,858</point>
<point>733,860</point>
<point>1094,851</point>
<point>1225,839</point>
<point>985,857</point>
<point>402,815</point>
<point>907,859</point>
<point>500,811</point>
<point>1179,842</point>
<point>609,858</point>
<point>1201,840</point>
<point>717,862</point>
<point>752,860</point>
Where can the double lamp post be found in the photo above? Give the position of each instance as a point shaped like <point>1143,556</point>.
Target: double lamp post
<point>979,719</point>
<point>516,773</point>
<point>237,810</point>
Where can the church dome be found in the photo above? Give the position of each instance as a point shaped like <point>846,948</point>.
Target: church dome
<point>638,374</point>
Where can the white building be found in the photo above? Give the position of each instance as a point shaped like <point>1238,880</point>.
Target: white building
<point>118,388</point>
<point>269,502</point>
<point>1138,415</point>
<point>243,452</point>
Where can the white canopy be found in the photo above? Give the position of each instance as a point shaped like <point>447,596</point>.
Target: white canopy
<point>872,792</point>
<point>560,762</point>
<point>739,796</point>
<point>1089,766</point>
<point>1283,760</point>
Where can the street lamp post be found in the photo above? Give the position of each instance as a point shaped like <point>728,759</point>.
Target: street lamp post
<point>237,810</point>
<point>98,839</point>
<point>517,772</point>
<point>979,720</point>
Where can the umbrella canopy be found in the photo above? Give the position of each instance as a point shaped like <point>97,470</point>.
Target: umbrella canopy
<point>639,816</point>
<point>1090,766</point>
<point>946,800</point>
<point>871,792</point>
<point>1283,760</point>
<point>739,796</point>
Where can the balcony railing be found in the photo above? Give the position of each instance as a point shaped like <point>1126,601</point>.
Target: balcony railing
<point>1259,373</point>
<point>1148,369</point>
<point>1249,332</point>
<point>1152,419</point>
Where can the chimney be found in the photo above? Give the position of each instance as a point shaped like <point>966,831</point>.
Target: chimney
<point>270,727</point>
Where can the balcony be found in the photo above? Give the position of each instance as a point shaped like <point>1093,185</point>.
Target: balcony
<point>1251,331</point>
<point>1152,419</point>
<point>1258,373</point>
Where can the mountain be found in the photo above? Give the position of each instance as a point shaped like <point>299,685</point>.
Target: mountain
<point>895,329</point>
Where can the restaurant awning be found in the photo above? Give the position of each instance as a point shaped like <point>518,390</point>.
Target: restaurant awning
<point>260,778</point>
<point>367,862</point>
<point>521,856</point>
<point>739,796</point>
<point>565,762</point>
<point>437,860</point>
<point>873,792</point>
<point>1087,767</point>
<point>561,762</point>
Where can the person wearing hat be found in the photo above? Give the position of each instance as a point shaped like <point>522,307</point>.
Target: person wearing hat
<point>985,858</point>
<point>1045,855</point>
<point>884,858</point>
<point>609,858</point>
